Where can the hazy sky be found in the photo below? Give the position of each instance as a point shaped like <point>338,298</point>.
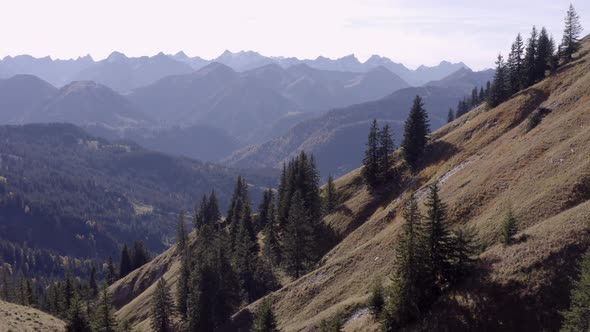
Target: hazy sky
<point>412,32</point>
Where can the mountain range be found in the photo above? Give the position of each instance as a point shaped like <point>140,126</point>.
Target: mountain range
<point>123,73</point>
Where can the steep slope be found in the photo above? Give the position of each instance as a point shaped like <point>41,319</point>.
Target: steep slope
<point>22,94</point>
<point>86,102</point>
<point>337,138</point>
<point>123,74</point>
<point>465,79</point>
<point>17,318</point>
<point>77,195</point>
<point>486,162</point>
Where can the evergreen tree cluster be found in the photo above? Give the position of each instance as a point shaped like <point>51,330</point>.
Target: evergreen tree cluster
<point>577,316</point>
<point>377,161</point>
<point>133,259</point>
<point>430,258</point>
<point>468,103</point>
<point>530,63</point>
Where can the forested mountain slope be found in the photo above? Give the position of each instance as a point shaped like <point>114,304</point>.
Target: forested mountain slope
<point>486,162</point>
<point>76,195</point>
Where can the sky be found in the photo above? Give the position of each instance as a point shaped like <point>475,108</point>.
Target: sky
<point>411,32</point>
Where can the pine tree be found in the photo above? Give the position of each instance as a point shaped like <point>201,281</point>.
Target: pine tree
<point>140,255</point>
<point>182,287</point>
<point>509,228</point>
<point>330,196</point>
<point>181,234</point>
<point>474,101</point>
<point>439,237</point>
<point>161,308</point>
<point>577,317</point>
<point>68,289</point>
<point>271,250</point>
<point>104,314</point>
<point>482,95</point>
<point>213,212</point>
<point>30,297</point>
<point>516,65</point>
<point>530,59</point>
<point>265,320</point>
<point>200,213</point>
<point>377,299</point>
<point>416,133</point>
<point>570,42</point>
<point>76,319</point>
<point>92,282</point>
<point>111,273</point>
<point>544,54</point>
<point>499,89</point>
<point>464,254</point>
<point>126,264</point>
<point>384,150</point>
<point>263,209</point>
<point>408,289</point>
<point>370,162</point>
<point>297,246</point>
<point>246,255</point>
<point>450,116</point>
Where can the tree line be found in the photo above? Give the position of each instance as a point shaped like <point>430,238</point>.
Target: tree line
<point>529,63</point>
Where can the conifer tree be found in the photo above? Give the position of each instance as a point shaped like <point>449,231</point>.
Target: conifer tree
<point>140,255</point>
<point>298,238</point>
<point>499,89</point>
<point>544,54</point>
<point>263,209</point>
<point>181,234</point>
<point>530,59</point>
<point>570,42</point>
<point>76,318</point>
<point>271,251</point>
<point>439,237</point>
<point>213,212</point>
<point>416,133</point>
<point>330,196</point>
<point>407,291</point>
<point>104,314</point>
<point>482,95</point>
<point>384,150</point>
<point>464,254</point>
<point>111,273</point>
<point>265,320</point>
<point>92,282</point>
<point>474,101</point>
<point>577,316</point>
<point>370,161</point>
<point>377,299</point>
<point>30,297</point>
<point>126,264</point>
<point>161,308</point>
<point>245,256</point>
<point>516,65</point>
<point>450,116</point>
<point>200,213</point>
<point>509,228</point>
<point>68,289</point>
<point>182,287</point>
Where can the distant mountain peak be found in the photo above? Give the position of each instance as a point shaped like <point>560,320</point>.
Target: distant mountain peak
<point>180,55</point>
<point>116,56</point>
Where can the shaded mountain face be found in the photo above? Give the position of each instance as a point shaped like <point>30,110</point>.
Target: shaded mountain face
<point>337,138</point>
<point>249,104</point>
<point>80,196</point>
<point>465,79</point>
<point>21,95</point>
<point>87,102</point>
<point>200,142</point>
<point>124,74</point>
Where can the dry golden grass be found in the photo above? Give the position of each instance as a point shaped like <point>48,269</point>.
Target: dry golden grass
<point>486,162</point>
<point>18,318</point>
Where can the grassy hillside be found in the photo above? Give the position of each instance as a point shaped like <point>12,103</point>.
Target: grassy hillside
<point>17,318</point>
<point>486,162</point>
